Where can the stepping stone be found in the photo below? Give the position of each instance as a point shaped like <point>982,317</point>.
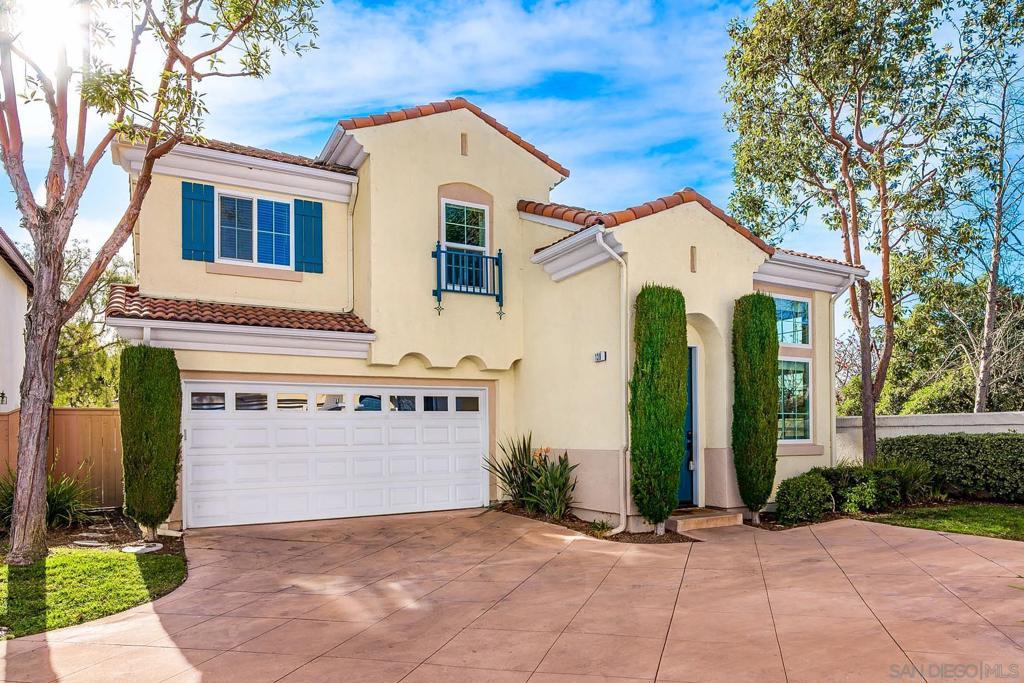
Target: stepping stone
<point>143,548</point>
<point>90,544</point>
<point>92,534</point>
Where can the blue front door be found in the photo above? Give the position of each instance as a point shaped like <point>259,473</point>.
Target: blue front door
<point>685,471</point>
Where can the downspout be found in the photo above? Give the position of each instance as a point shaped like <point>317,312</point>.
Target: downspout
<point>624,377</point>
<point>832,356</point>
<point>351,301</point>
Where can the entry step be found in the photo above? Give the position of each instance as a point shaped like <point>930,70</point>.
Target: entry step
<point>691,519</point>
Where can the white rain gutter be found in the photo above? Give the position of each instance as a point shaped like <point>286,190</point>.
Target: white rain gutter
<point>351,301</point>
<point>624,370</point>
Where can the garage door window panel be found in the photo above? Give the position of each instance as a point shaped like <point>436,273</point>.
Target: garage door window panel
<point>250,401</point>
<point>435,404</point>
<point>402,403</point>
<point>292,402</point>
<point>368,403</point>
<point>330,403</point>
<point>207,400</point>
<point>467,404</point>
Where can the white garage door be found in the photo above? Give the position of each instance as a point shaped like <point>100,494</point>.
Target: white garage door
<point>256,453</point>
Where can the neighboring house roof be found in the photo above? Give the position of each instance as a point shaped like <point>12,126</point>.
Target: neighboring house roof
<point>126,302</point>
<point>446,106</point>
<point>586,218</point>
<point>268,154</point>
<point>15,260</point>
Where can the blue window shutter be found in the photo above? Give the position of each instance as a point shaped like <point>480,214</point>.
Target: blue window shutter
<point>309,236</point>
<point>196,222</point>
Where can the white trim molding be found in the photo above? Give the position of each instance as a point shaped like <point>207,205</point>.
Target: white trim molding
<point>577,253</point>
<point>173,334</point>
<point>804,272</point>
<point>228,168</point>
<point>550,222</point>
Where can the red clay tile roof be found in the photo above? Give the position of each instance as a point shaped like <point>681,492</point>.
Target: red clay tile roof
<point>586,218</point>
<point>824,259</point>
<point>444,106</point>
<point>9,252</point>
<point>126,302</point>
<point>269,155</point>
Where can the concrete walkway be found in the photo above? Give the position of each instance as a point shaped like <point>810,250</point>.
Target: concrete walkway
<point>484,597</point>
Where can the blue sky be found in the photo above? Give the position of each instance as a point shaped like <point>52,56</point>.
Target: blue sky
<point>625,93</point>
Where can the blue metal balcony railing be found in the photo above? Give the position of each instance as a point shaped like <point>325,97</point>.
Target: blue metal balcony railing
<point>468,272</point>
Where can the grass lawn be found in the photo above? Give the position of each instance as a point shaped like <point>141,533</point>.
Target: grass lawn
<point>73,586</point>
<point>977,519</point>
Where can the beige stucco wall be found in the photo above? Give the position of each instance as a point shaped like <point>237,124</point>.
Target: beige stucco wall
<point>13,306</point>
<point>410,160</point>
<point>162,272</point>
<point>566,399</point>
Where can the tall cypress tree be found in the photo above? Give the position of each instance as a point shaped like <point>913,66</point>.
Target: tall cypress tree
<point>657,404</point>
<point>150,404</point>
<point>755,347</point>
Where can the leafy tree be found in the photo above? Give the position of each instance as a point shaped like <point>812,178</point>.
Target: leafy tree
<point>755,353</point>
<point>88,354</point>
<point>657,401</point>
<point>837,107</point>
<point>150,387</point>
<point>982,239</point>
<point>197,40</point>
<point>938,333</point>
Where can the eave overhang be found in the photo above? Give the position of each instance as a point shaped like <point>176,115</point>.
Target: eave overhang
<point>192,336</point>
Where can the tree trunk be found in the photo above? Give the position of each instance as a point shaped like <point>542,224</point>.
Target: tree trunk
<point>755,516</point>
<point>659,529</point>
<point>28,519</point>
<point>867,385</point>
<point>981,388</point>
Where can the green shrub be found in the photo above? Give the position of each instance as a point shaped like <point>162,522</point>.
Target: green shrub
<point>980,466</point>
<point>657,403</point>
<point>150,403</point>
<point>514,472</point>
<point>553,486</point>
<point>916,479</point>
<point>804,498</point>
<point>888,490</point>
<point>860,497</point>
<point>756,398</point>
<point>67,499</point>
<point>860,488</point>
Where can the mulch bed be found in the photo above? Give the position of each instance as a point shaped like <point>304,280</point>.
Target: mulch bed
<point>113,530</point>
<point>574,523</point>
<point>770,523</point>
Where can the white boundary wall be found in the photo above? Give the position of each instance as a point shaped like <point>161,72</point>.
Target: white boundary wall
<point>848,436</point>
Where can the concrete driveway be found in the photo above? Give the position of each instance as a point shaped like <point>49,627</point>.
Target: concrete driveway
<point>485,597</point>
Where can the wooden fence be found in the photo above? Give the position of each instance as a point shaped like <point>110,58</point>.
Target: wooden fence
<point>84,442</point>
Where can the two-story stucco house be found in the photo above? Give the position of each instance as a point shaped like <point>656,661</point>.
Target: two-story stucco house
<point>357,331</point>
<point>15,290</point>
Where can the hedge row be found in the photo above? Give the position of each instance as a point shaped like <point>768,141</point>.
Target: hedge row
<point>981,466</point>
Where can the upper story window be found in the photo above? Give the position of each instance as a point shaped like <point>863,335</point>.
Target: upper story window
<point>254,230</point>
<point>465,227</point>
<point>234,227</point>
<point>793,321</point>
<point>465,240</point>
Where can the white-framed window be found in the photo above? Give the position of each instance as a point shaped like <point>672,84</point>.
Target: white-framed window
<point>793,320</point>
<point>794,400</point>
<point>465,231</point>
<point>254,230</point>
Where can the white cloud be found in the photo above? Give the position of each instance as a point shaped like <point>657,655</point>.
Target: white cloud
<point>639,114</point>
